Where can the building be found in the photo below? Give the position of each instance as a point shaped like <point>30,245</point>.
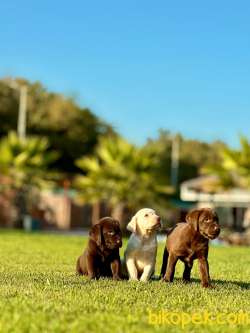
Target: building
<point>232,205</point>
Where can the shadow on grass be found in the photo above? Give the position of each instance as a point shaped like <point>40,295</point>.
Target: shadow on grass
<point>241,284</point>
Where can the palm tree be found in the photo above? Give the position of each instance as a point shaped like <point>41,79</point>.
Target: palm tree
<point>233,170</point>
<point>24,167</point>
<point>121,175</point>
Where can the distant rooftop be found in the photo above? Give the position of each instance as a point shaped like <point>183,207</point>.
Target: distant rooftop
<point>201,189</point>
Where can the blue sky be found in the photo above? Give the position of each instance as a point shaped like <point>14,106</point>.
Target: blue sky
<point>141,65</point>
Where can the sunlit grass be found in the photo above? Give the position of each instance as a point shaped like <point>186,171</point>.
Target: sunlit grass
<point>39,291</point>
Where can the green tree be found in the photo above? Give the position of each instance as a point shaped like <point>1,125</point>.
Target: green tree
<point>193,155</point>
<point>24,167</point>
<point>233,167</point>
<point>121,175</point>
<point>72,130</point>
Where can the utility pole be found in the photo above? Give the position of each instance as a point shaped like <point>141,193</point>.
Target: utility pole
<point>22,112</point>
<point>175,161</point>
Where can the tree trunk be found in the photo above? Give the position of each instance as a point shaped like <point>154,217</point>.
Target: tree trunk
<point>96,212</point>
<point>118,214</point>
<point>21,206</point>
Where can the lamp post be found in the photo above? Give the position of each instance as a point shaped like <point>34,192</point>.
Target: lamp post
<point>22,112</point>
<point>175,161</point>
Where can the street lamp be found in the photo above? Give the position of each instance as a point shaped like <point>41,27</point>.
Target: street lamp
<point>22,112</point>
<point>175,152</point>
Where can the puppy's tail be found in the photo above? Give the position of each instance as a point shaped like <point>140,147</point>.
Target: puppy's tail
<point>164,263</point>
<point>169,230</point>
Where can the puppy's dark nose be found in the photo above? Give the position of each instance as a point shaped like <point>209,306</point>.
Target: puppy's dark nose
<point>158,219</point>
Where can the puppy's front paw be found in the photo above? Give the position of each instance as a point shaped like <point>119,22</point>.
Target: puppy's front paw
<point>165,279</point>
<point>208,285</point>
<point>144,280</point>
<point>116,278</point>
<point>133,279</point>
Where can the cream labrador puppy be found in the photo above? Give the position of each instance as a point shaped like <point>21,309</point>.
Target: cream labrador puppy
<point>140,254</point>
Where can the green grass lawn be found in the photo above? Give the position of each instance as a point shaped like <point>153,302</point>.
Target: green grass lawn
<point>39,291</point>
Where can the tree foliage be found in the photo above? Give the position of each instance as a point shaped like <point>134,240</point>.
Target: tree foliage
<point>193,155</point>
<point>233,167</point>
<point>72,130</point>
<point>25,162</point>
<point>120,173</point>
<point>25,167</point>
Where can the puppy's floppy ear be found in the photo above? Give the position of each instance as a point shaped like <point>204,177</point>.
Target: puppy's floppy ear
<point>132,224</point>
<point>96,234</point>
<point>193,218</point>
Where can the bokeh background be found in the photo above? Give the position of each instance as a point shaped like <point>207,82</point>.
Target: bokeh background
<point>108,107</point>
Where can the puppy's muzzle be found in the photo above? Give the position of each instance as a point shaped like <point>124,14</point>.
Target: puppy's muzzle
<point>214,232</point>
<point>158,225</point>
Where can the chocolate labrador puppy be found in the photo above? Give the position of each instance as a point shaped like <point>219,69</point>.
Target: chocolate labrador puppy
<point>101,256</point>
<point>189,241</point>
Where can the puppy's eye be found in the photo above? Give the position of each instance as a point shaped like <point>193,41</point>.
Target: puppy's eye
<point>146,215</point>
<point>207,220</point>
